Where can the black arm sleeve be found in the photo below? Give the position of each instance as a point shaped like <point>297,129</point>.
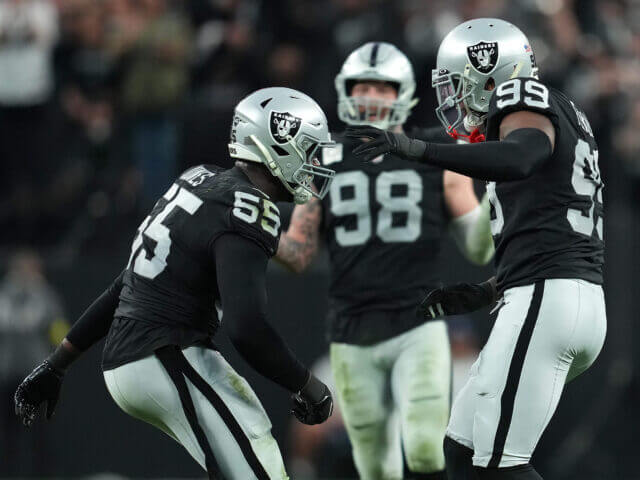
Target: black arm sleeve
<point>96,320</point>
<point>516,157</point>
<point>241,270</point>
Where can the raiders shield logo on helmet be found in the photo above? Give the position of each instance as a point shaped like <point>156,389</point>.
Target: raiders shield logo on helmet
<point>483,56</point>
<point>283,125</point>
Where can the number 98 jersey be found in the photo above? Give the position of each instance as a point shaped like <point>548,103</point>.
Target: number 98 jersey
<point>548,225</point>
<point>170,288</point>
<point>383,222</point>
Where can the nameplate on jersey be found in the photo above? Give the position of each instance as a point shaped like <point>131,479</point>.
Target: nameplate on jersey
<point>332,154</point>
<point>196,176</point>
<point>582,119</point>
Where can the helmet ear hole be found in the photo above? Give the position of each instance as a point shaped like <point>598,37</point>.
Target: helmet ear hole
<point>490,84</point>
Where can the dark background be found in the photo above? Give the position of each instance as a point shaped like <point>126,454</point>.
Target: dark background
<point>141,89</point>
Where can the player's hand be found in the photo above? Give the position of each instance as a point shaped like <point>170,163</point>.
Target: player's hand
<point>42,385</point>
<point>384,141</point>
<point>313,404</point>
<point>457,299</point>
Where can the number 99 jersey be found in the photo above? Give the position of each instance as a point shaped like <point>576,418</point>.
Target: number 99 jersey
<point>170,288</point>
<point>383,223</point>
<point>548,225</point>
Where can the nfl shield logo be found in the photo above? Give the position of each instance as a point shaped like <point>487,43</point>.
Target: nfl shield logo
<point>483,56</point>
<point>283,125</point>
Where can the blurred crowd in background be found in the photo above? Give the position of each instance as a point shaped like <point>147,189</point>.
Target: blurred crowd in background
<point>104,102</point>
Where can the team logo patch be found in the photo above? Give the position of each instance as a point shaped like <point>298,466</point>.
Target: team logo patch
<point>283,125</point>
<point>483,56</point>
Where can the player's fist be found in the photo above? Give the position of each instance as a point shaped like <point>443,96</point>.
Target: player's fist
<point>313,404</point>
<point>457,299</point>
<point>42,385</point>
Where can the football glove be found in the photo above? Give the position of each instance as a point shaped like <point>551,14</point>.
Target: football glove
<point>384,141</point>
<point>313,404</point>
<point>42,385</point>
<point>457,299</point>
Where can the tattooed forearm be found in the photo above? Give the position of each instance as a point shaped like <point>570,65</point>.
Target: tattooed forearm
<point>299,244</point>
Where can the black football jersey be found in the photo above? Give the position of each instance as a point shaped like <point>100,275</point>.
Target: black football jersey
<point>383,223</point>
<point>170,292</point>
<point>548,225</point>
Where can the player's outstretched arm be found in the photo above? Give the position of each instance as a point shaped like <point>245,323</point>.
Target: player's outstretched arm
<point>44,383</point>
<point>299,244</point>
<point>524,147</point>
<point>457,299</point>
<point>469,225</point>
<point>241,270</point>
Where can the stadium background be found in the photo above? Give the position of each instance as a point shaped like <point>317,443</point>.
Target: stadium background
<point>103,102</point>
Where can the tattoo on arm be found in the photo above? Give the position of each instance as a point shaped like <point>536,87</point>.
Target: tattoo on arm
<point>299,244</point>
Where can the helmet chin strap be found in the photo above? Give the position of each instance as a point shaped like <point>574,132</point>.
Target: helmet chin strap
<point>471,122</point>
<point>474,137</point>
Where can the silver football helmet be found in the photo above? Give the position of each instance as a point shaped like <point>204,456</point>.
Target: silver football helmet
<point>283,129</point>
<point>382,62</point>
<point>473,59</point>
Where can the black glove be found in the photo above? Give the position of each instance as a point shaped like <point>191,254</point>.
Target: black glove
<point>42,385</point>
<point>313,404</point>
<point>457,299</point>
<point>384,141</point>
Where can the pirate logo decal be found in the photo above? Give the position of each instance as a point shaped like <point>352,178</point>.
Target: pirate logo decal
<point>283,125</point>
<point>483,56</point>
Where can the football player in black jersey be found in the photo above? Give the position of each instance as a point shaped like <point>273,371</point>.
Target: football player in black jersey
<point>384,223</point>
<point>541,164</point>
<point>198,258</point>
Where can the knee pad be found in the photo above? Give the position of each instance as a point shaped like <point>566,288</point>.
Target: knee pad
<point>459,460</point>
<point>423,452</point>
<point>424,425</point>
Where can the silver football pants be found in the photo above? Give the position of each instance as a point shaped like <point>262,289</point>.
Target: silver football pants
<point>198,399</point>
<point>395,396</point>
<point>545,335</point>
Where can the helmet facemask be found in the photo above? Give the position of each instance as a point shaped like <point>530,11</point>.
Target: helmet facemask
<point>378,112</point>
<point>456,101</point>
<point>301,182</point>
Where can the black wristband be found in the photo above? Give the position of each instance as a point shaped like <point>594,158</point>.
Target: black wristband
<point>61,358</point>
<point>314,390</point>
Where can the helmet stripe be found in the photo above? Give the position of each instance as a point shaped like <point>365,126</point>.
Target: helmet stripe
<point>374,54</point>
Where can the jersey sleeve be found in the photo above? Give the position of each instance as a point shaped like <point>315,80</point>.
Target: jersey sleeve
<point>519,94</point>
<point>254,216</point>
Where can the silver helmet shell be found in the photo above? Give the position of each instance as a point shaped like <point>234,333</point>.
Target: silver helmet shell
<point>283,129</point>
<point>474,59</point>
<point>377,61</point>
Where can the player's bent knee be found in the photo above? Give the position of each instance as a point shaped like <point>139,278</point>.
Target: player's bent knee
<point>423,430</point>
<point>269,455</point>
<point>370,447</point>
<point>424,452</point>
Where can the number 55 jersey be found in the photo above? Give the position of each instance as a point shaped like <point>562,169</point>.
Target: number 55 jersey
<point>169,287</point>
<point>383,223</point>
<point>548,225</point>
